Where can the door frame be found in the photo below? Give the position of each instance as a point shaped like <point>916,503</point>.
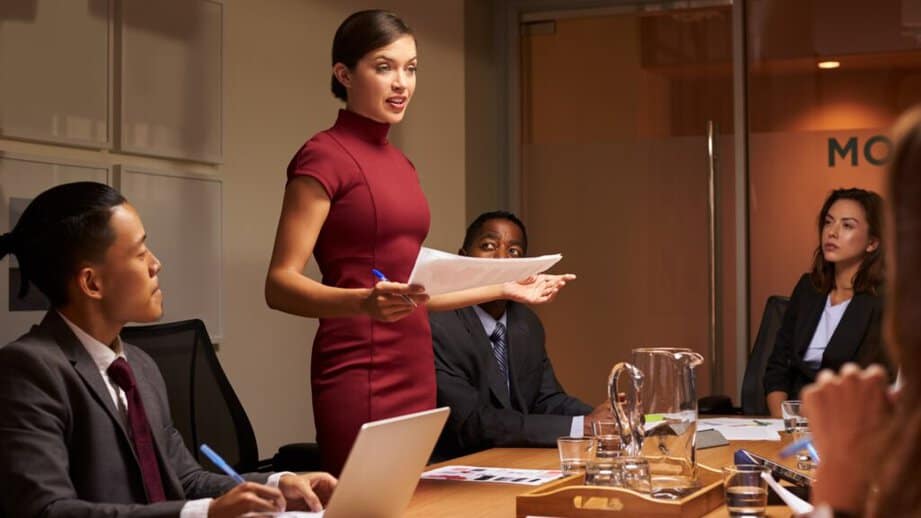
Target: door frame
<point>509,16</point>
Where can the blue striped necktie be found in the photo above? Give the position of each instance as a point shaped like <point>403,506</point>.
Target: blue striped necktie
<point>500,350</point>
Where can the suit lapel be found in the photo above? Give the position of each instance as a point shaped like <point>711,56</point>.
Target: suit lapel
<point>85,366</point>
<point>481,341</point>
<point>847,336</point>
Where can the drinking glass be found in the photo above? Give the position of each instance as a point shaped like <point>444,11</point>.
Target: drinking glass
<point>631,473</point>
<point>793,418</point>
<point>607,439</point>
<point>575,453</point>
<point>798,427</point>
<point>746,490</point>
<point>599,471</point>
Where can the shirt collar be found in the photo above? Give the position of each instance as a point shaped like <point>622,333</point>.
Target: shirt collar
<point>102,354</point>
<point>489,323</point>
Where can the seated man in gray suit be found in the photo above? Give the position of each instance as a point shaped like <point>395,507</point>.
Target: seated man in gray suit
<point>491,365</point>
<point>85,427</point>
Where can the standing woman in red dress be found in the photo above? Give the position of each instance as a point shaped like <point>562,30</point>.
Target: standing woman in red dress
<point>354,202</point>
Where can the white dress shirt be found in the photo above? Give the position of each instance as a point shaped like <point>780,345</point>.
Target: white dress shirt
<point>831,317</point>
<point>103,356</point>
<point>489,325</point>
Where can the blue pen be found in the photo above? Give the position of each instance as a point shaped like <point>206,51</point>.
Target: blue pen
<point>812,451</point>
<point>796,446</point>
<point>221,463</point>
<point>381,277</point>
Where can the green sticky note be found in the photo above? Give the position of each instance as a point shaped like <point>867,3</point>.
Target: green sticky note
<point>652,418</point>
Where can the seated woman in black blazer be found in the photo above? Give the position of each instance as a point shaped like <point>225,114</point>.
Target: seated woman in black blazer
<point>835,311</point>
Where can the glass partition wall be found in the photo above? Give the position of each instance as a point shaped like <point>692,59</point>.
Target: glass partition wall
<point>628,168</point>
<point>627,124</point>
<point>826,79</point>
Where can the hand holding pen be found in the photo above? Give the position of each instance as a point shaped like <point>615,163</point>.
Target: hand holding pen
<point>245,497</point>
<point>308,491</point>
<point>391,301</point>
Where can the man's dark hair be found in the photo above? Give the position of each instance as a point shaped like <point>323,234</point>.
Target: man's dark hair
<point>477,226</point>
<point>62,229</point>
<point>363,32</point>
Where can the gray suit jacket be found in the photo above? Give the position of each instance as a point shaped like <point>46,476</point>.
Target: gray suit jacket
<point>64,450</point>
<point>534,411</point>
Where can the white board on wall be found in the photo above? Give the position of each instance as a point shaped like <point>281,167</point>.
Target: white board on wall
<point>171,78</point>
<point>54,71</point>
<point>183,220</point>
<point>21,179</point>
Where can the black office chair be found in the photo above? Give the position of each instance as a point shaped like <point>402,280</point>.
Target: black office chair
<point>753,397</point>
<point>754,401</point>
<point>203,405</point>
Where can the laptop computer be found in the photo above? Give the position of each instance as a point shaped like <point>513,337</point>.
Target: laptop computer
<point>383,468</point>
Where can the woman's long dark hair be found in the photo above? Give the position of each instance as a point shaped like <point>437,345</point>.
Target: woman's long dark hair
<point>900,488</point>
<point>872,272</point>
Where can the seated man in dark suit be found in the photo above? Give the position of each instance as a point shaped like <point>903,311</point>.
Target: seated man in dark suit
<point>85,427</point>
<point>491,365</point>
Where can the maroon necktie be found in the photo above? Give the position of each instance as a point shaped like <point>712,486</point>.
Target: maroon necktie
<point>139,430</point>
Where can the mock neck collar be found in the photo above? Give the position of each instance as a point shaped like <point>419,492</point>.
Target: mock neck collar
<point>365,128</point>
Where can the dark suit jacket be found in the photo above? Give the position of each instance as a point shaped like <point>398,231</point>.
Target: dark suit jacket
<point>63,448</point>
<point>483,414</point>
<point>856,339</point>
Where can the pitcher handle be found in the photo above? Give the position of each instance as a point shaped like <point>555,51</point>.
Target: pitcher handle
<point>694,358</point>
<point>629,421</point>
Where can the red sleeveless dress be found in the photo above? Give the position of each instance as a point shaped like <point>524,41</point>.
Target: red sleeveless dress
<point>363,370</point>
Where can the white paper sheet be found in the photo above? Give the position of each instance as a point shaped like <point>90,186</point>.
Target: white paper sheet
<point>744,429</point>
<point>441,272</point>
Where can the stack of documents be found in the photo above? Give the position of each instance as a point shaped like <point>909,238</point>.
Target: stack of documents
<point>441,272</point>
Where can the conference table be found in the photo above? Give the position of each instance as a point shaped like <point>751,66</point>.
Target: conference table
<point>443,498</point>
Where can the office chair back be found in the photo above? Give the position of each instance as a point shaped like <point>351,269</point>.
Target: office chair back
<point>203,405</point>
<point>753,396</point>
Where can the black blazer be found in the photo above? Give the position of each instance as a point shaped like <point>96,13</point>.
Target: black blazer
<point>534,412</point>
<point>856,339</point>
<point>64,450</point>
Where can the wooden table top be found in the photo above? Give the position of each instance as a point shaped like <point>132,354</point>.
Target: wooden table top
<point>443,498</point>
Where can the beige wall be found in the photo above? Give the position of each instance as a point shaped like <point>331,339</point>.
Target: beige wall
<point>276,95</point>
<point>484,110</point>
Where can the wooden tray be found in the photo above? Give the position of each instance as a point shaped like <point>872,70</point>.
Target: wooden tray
<point>568,498</point>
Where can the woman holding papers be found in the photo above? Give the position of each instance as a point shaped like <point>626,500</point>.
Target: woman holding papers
<point>355,203</point>
<point>869,435</point>
<point>835,311</point>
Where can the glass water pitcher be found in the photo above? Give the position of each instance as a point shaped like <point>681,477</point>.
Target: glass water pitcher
<point>659,418</point>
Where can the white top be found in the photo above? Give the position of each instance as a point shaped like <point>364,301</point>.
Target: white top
<point>489,325</point>
<point>831,317</point>
<point>103,356</point>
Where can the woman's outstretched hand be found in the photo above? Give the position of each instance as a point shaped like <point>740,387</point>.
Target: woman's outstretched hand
<point>536,289</point>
